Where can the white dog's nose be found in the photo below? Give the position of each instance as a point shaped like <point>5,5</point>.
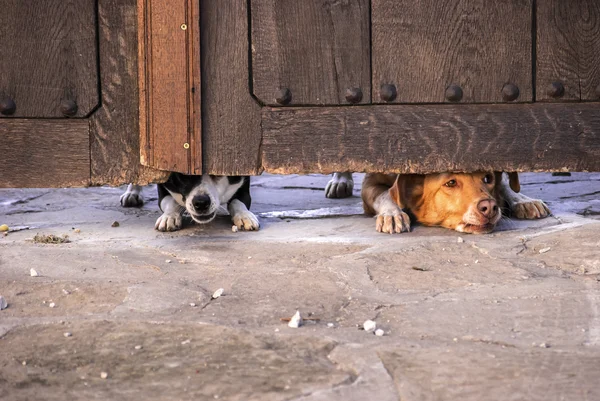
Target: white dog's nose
<point>201,202</point>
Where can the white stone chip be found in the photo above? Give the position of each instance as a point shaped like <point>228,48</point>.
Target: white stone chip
<point>67,334</point>
<point>379,332</point>
<point>234,229</point>
<point>460,240</point>
<point>217,293</point>
<point>3,303</point>
<point>52,305</point>
<point>138,347</point>
<point>33,273</point>
<point>296,320</point>
<point>544,250</point>
<point>369,326</point>
<point>168,261</point>
<point>330,325</point>
<point>192,304</point>
<point>103,375</point>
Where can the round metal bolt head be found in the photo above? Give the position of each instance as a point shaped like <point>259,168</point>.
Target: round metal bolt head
<point>556,89</point>
<point>388,92</point>
<point>186,145</point>
<point>7,106</point>
<point>454,93</point>
<point>510,92</point>
<point>68,107</point>
<point>354,95</point>
<point>283,96</point>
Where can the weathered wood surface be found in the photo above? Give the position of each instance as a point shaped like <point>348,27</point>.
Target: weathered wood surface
<point>169,85</point>
<point>48,55</point>
<point>230,116</point>
<point>315,48</point>
<point>424,46</point>
<point>114,133</point>
<point>44,153</point>
<point>568,49</point>
<point>424,139</point>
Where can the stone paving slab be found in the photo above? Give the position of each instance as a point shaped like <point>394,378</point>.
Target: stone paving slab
<point>477,318</point>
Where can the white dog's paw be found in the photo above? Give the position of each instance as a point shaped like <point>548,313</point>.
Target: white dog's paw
<point>392,222</point>
<point>168,222</point>
<point>340,186</point>
<point>530,209</point>
<point>246,220</point>
<point>132,196</point>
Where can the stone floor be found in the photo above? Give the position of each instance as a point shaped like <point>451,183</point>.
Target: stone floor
<point>513,315</point>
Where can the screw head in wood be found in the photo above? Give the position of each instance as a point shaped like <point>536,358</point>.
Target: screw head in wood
<point>354,95</point>
<point>556,89</point>
<point>283,96</point>
<point>7,106</point>
<point>183,27</point>
<point>454,93</point>
<point>388,92</point>
<point>186,145</point>
<point>68,107</point>
<point>510,92</point>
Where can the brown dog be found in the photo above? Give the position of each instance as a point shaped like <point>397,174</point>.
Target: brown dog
<point>469,203</point>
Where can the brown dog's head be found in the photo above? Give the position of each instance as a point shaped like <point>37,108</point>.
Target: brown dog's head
<point>463,202</point>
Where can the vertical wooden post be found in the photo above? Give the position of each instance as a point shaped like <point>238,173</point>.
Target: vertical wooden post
<point>169,82</point>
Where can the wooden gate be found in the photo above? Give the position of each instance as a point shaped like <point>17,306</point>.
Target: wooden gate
<point>288,86</point>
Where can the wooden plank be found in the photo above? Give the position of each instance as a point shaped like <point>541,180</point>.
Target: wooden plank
<point>568,49</point>
<point>169,66</point>
<point>315,48</point>
<point>44,153</point>
<point>424,139</point>
<point>422,47</point>
<point>230,117</point>
<point>115,139</point>
<point>48,55</point>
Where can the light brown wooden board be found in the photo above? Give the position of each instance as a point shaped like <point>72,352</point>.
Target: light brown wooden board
<point>230,116</point>
<point>44,153</point>
<point>316,48</point>
<point>48,54</point>
<point>114,133</point>
<point>424,46</point>
<point>424,139</point>
<point>169,85</point>
<point>568,48</point>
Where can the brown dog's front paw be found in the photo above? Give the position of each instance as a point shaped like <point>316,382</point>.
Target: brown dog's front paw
<point>532,209</point>
<point>396,222</point>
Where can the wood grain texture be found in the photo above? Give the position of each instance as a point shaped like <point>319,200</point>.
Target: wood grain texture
<point>169,66</point>
<point>44,153</point>
<point>48,54</point>
<point>424,46</point>
<point>316,48</point>
<point>230,116</point>
<point>568,48</point>
<point>424,139</point>
<point>114,138</point>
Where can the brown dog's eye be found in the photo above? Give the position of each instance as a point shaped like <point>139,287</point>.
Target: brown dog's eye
<point>488,179</point>
<point>451,183</point>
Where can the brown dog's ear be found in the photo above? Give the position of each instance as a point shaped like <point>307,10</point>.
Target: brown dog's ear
<point>513,181</point>
<point>407,190</point>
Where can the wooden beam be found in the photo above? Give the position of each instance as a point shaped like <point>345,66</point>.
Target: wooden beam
<point>44,153</point>
<point>424,139</point>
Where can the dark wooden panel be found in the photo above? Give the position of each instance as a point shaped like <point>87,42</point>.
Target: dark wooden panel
<point>48,55</point>
<point>44,153</point>
<point>422,139</point>
<point>424,46</point>
<point>568,49</point>
<point>315,48</point>
<point>230,117</point>
<point>169,70</point>
<point>115,146</point>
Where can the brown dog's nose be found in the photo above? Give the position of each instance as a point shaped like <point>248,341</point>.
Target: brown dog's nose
<point>487,208</point>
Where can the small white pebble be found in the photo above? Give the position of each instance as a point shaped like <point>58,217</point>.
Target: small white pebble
<point>192,304</point>
<point>33,273</point>
<point>234,229</point>
<point>369,326</point>
<point>103,375</point>
<point>24,363</point>
<point>67,334</point>
<point>186,342</point>
<point>249,257</point>
<point>330,325</point>
<point>66,292</point>
<point>544,345</point>
<point>460,240</point>
<point>52,305</point>
<point>168,261</point>
<point>379,332</point>
<point>477,261</point>
<point>3,303</point>
<point>217,293</point>
<point>138,347</point>
<point>296,320</point>
<point>544,250</point>
<point>276,330</point>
